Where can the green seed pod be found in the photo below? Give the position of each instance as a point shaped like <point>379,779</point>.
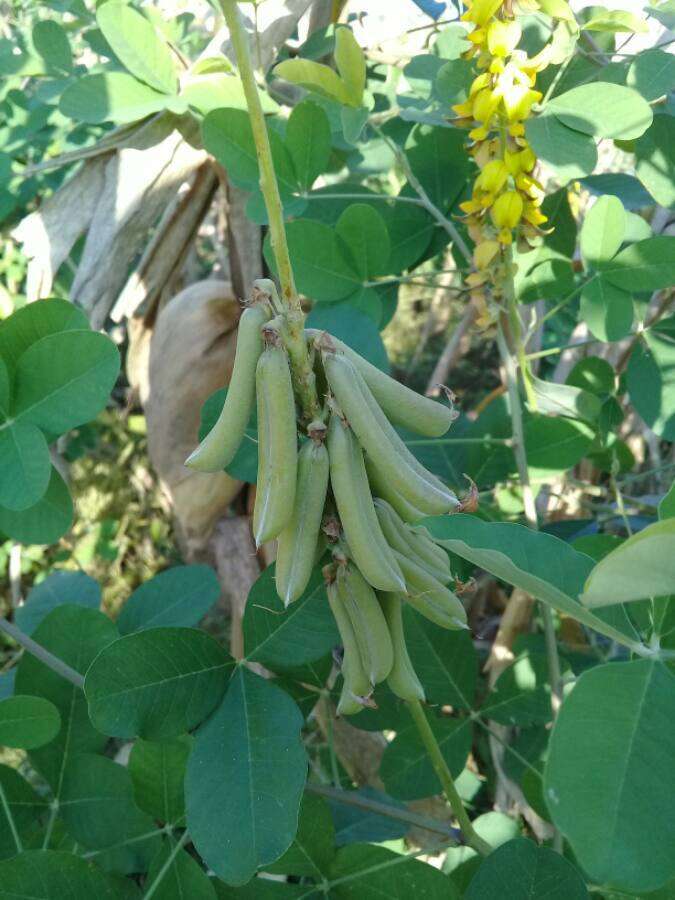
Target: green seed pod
<point>382,488</point>
<point>296,550</point>
<point>349,481</point>
<point>370,626</point>
<point>402,679</point>
<point>356,680</point>
<point>405,542</point>
<point>218,448</point>
<point>432,498</point>
<point>277,446</point>
<point>429,597</point>
<point>402,406</point>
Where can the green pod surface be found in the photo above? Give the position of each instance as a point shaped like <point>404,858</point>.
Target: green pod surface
<point>432,498</point>
<point>382,488</point>
<point>368,622</point>
<point>402,679</point>
<point>356,680</point>
<point>429,597</point>
<point>220,445</point>
<point>297,547</point>
<point>349,481</point>
<point>277,446</point>
<point>402,405</point>
<point>400,539</point>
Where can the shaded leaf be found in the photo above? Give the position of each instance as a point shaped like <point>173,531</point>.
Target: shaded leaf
<point>616,732</point>
<point>183,880</point>
<point>313,847</point>
<point>138,45</point>
<point>26,465</point>
<point>158,772</point>
<point>28,722</point>
<point>570,153</point>
<point>308,141</point>
<point>603,109</point>
<point>245,779</point>
<point>49,875</point>
<point>387,874</point>
<point>45,522</point>
<point>110,97</point>
<point>156,683</point>
<point>180,596</point>
<point>58,588</point>
<point>606,309</point>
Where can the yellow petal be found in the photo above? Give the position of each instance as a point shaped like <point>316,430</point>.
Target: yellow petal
<point>480,11</point>
<point>503,37</point>
<point>493,177</point>
<point>484,253</point>
<point>507,210</point>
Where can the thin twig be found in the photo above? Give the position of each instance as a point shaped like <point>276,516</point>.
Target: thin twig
<point>358,801</point>
<point>39,652</point>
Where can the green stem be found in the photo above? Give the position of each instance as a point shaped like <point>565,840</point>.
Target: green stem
<point>4,803</point>
<point>167,865</point>
<point>443,772</point>
<point>53,812</point>
<point>303,376</point>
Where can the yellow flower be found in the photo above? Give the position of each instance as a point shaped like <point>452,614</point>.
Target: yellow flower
<point>493,177</point>
<point>470,206</point>
<point>533,215</point>
<point>484,105</point>
<point>503,37</point>
<point>480,11</point>
<point>507,210</point>
<point>480,81</point>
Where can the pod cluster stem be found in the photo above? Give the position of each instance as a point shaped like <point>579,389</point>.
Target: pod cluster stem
<point>473,839</point>
<point>303,377</point>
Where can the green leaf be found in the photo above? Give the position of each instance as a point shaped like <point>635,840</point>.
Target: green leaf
<point>156,683</point>
<point>315,77</point>
<point>646,266</point>
<point>313,847</point>
<point>606,309</point>
<point>593,374</point>
<point>138,45</point>
<point>652,74</point>
<point>452,82</point>
<point>642,567</point>
<point>308,141</point>
<point>438,158</point>
<point>27,809</point>
<point>520,870</point>
<point>65,379</point>
<point>375,873</point>
<point>28,722</point>
<point>75,636</point>
<point>354,327</point>
<point>604,110</point>
<point>655,162</point>
<point>97,805</point>
<point>603,231</point>
<point>410,230</point>
<point>45,522</point>
<point>445,661</point>
<point>228,136</point>
<point>26,465</point>
<point>667,504</point>
<point>616,732</point>
<point>351,64</point>
<point>5,390</point>
<point>158,771</point>
<point>651,378</point>
<point>521,696</point>
<point>320,259</point>
<point>281,638</point>
<point>462,862</point>
<point>406,770</point>
<point>615,21</point>
<point>568,152</point>
<point>36,320</point>
<point>184,878</point>
<point>217,90</point>
<point>48,875</point>
<point>539,563</point>
<point>364,233</point>
<point>57,589</point>
<point>555,444</point>
<point>180,596</point>
<point>51,41</point>
<point>245,779</point>
<point>565,400</point>
<point>355,826</point>
<point>110,97</point>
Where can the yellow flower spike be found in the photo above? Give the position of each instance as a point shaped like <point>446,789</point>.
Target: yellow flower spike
<point>507,210</point>
<point>484,253</point>
<point>503,37</point>
<point>493,177</point>
<point>470,206</point>
<point>505,236</point>
<point>527,159</point>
